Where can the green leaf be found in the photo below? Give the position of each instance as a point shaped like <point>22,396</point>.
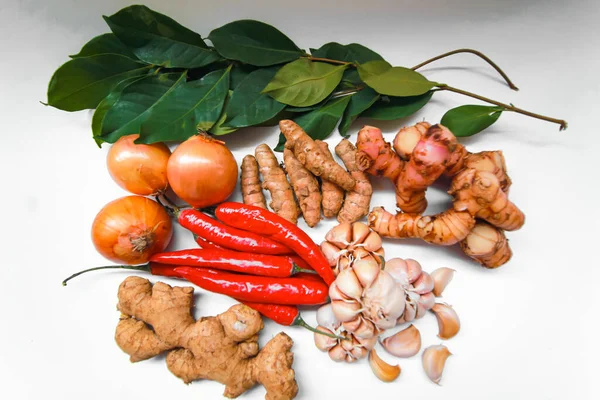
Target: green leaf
<point>254,42</point>
<point>248,106</point>
<point>82,83</point>
<point>352,52</point>
<point>219,128</point>
<point>191,106</point>
<point>107,43</point>
<point>158,39</point>
<point>471,119</point>
<point>393,81</point>
<point>135,104</point>
<point>105,105</point>
<point>319,124</point>
<point>351,77</point>
<point>304,83</point>
<point>239,72</point>
<point>390,108</point>
<point>359,102</point>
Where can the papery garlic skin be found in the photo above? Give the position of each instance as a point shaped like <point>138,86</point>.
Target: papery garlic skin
<point>434,359</point>
<point>405,343</point>
<point>441,278</point>
<point>382,370</point>
<point>447,318</point>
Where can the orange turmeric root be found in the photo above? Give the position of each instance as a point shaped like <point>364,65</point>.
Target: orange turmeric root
<point>487,245</point>
<point>250,182</point>
<point>305,186</point>
<point>222,348</point>
<point>311,156</point>
<point>358,200</point>
<point>274,180</point>
<point>333,195</point>
<point>447,228</point>
<point>480,193</point>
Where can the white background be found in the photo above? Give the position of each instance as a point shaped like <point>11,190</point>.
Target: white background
<point>528,329</point>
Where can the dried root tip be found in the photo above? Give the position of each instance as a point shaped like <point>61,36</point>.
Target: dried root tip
<point>333,195</point>
<point>250,182</point>
<point>487,245</point>
<point>305,187</point>
<point>434,359</point>
<point>358,200</point>
<point>407,138</point>
<point>282,202</point>
<point>381,369</point>
<point>441,278</point>
<point>448,322</point>
<point>405,343</point>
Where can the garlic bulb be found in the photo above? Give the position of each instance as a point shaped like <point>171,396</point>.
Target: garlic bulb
<point>366,299</point>
<point>434,359</point>
<point>349,350</point>
<point>416,284</point>
<point>348,242</point>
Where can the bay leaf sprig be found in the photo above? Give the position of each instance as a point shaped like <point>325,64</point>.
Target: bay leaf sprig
<point>153,76</point>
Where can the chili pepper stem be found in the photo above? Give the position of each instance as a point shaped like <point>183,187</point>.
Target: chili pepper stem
<point>143,267</point>
<point>171,209</point>
<point>296,269</point>
<point>300,322</point>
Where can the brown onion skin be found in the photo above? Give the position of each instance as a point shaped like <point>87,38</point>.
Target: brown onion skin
<point>202,171</point>
<point>139,168</point>
<point>131,229</point>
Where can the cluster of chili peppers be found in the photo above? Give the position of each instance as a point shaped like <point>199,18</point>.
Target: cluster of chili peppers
<point>251,255</point>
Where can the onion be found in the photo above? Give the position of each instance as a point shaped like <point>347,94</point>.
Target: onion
<point>131,229</point>
<point>139,168</point>
<point>202,171</point>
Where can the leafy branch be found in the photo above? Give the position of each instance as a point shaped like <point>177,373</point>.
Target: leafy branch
<point>155,77</point>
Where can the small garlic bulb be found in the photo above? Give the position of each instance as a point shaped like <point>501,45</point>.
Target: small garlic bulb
<point>350,349</point>
<point>347,242</point>
<point>434,359</point>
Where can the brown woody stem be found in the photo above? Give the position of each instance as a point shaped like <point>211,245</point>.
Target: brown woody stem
<point>328,60</point>
<point>471,51</point>
<point>507,107</point>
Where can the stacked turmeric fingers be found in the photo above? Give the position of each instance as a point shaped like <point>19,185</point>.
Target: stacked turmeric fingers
<point>422,153</point>
<point>345,192</point>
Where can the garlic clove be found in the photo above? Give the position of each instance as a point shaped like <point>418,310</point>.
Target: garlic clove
<point>342,264</point>
<point>414,269</point>
<point>410,312</point>
<point>331,252</point>
<point>340,235</point>
<point>448,321</point>
<point>324,343</point>
<point>381,369</point>
<point>336,294</point>
<point>405,343</point>
<point>373,242</point>
<point>337,353</point>
<point>441,278</point>
<point>367,343</point>
<point>426,301</point>
<point>359,352</point>
<point>398,269</point>
<point>366,271</point>
<point>366,329</point>
<point>359,232</point>
<point>434,359</point>
<point>326,318</point>
<point>421,311</point>
<point>423,284</point>
<point>360,253</point>
<point>347,282</point>
<point>345,310</point>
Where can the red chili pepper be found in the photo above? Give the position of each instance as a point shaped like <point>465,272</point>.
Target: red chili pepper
<point>229,260</point>
<point>205,244</point>
<point>259,220</point>
<point>258,289</point>
<point>227,236</point>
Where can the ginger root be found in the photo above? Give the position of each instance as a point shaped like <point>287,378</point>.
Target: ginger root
<point>358,200</point>
<point>305,186</point>
<point>274,180</point>
<point>312,157</point>
<point>250,182</point>
<point>375,156</point>
<point>487,245</point>
<point>222,348</point>
<point>333,195</point>
<point>447,228</point>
